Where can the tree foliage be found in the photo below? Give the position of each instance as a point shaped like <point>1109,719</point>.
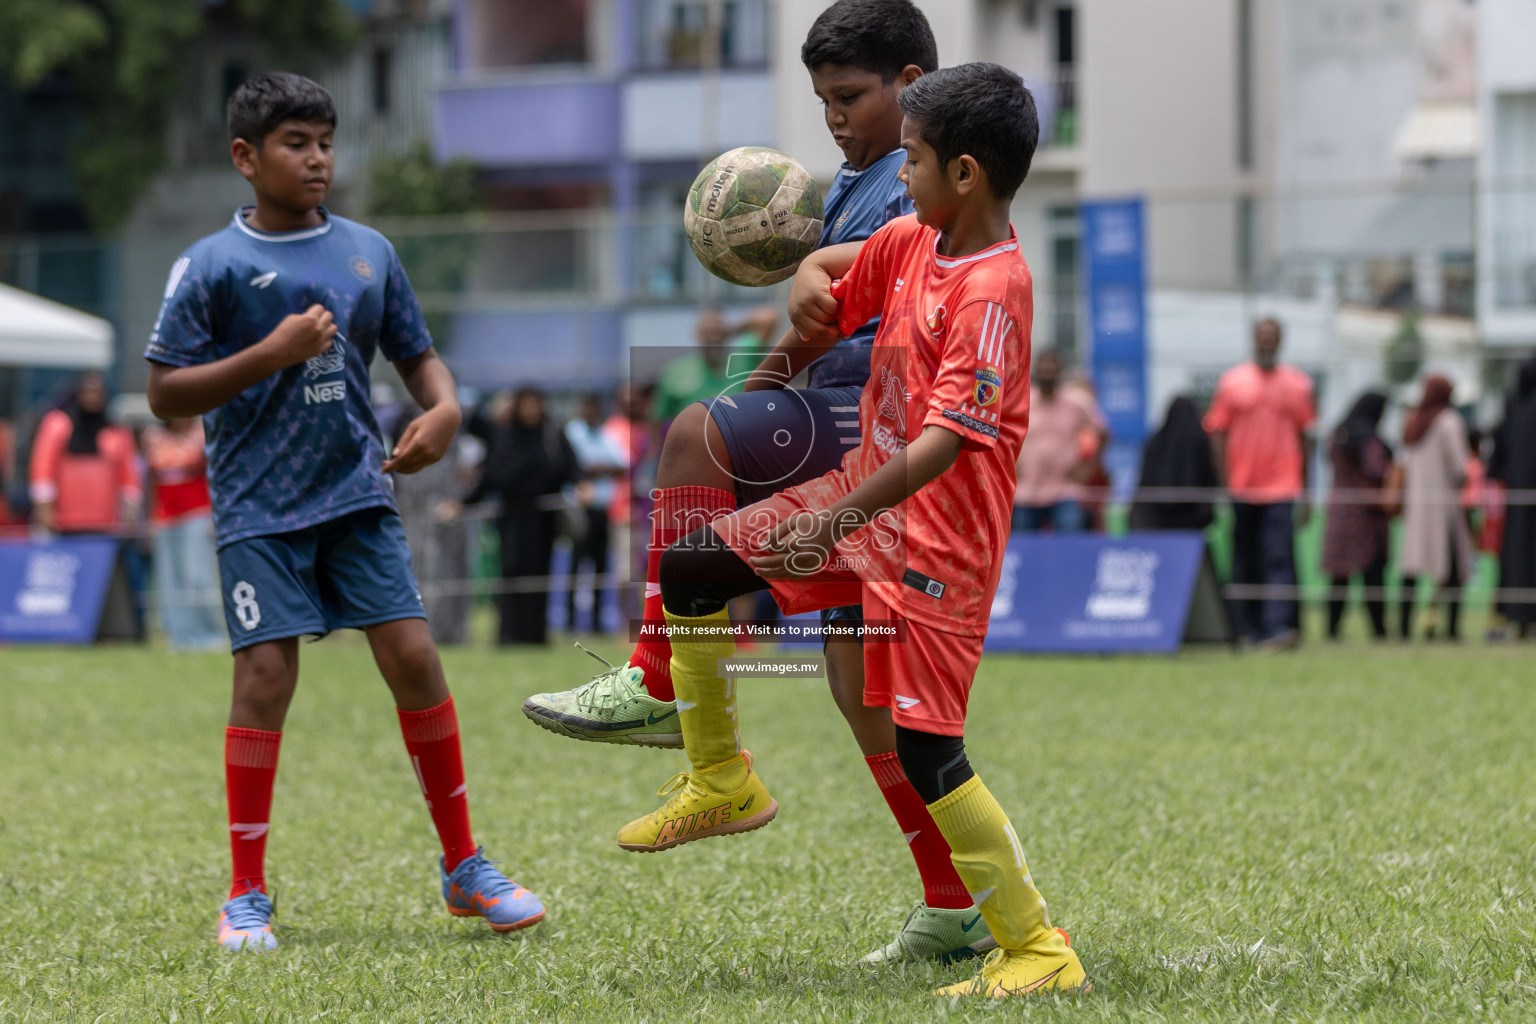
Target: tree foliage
<point>438,260</point>
<point>124,59</point>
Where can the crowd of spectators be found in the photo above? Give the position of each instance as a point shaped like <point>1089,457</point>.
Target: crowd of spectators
<point>1420,505</point>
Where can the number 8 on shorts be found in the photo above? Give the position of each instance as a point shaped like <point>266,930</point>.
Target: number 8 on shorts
<point>246,608</point>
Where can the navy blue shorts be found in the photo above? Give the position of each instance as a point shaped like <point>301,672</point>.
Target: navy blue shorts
<point>345,573</point>
<point>778,439</point>
<point>781,438</point>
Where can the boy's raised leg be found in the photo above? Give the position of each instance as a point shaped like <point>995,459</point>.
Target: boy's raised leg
<point>632,703</point>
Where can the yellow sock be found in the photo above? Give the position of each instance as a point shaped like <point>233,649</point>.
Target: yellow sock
<point>706,702</point>
<point>990,861</point>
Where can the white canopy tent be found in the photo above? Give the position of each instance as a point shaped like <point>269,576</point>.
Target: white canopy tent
<point>38,332</point>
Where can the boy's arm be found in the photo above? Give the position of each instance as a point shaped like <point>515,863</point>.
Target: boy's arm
<point>813,311</point>
<point>427,437</point>
<point>919,464</point>
<point>179,392</point>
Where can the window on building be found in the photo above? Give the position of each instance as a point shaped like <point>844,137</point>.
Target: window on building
<point>1245,85</point>
<point>1513,198</point>
<point>1063,227</point>
<point>1064,129</point>
<point>677,33</point>
<point>383,62</point>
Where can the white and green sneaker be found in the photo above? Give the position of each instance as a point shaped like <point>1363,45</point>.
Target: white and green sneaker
<point>612,708</point>
<point>933,933</point>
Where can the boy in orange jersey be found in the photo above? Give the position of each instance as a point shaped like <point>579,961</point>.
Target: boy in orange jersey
<point>915,520</point>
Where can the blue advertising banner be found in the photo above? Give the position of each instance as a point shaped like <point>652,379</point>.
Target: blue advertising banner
<point>1114,269</point>
<point>54,592</point>
<point>1091,594</point>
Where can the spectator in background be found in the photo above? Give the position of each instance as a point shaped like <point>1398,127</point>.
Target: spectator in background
<point>697,376</point>
<point>1258,424</point>
<point>436,532</point>
<point>1177,457</point>
<point>1436,543</point>
<point>1059,452</point>
<point>602,459</point>
<point>181,515</point>
<point>1355,541</point>
<point>1513,463</point>
<point>528,462</point>
<point>631,428</point>
<point>84,471</point>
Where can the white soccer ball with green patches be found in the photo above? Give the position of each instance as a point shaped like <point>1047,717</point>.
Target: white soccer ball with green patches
<point>752,215</point>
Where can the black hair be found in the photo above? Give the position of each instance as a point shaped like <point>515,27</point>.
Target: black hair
<point>979,110</point>
<point>264,101</point>
<point>880,36</point>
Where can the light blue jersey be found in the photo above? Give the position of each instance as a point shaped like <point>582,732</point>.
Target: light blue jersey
<point>859,203</point>
<point>303,446</point>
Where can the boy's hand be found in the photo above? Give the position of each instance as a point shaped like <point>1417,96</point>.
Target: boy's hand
<point>302,336</point>
<point>795,548</point>
<point>425,441</point>
<point>812,306</point>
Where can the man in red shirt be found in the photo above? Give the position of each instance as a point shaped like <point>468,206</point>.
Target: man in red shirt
<point>914,521</point>
<point>1258,424</point>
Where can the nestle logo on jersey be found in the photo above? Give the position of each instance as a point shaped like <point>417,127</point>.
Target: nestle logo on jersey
<point>333,391</point>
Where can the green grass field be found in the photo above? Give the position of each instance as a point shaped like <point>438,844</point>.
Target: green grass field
<point>1339,834</point>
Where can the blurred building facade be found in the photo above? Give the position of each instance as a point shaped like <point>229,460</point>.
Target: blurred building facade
<point>1366,169</point>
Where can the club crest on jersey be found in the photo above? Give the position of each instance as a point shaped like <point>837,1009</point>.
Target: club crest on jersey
<point>989,384</point>
<point>362,269</point>
<point>936,321</point>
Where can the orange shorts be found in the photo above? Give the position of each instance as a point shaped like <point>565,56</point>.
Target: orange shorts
<point>925,679</point>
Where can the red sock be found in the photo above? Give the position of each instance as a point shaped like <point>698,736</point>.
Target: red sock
<point>941,885</point>
<point>679,511</point>
<point>250,767</point>
<point>432,740</point>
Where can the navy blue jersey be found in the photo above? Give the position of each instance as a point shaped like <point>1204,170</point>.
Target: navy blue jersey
<point>303,446</point>
<point>858,204</point>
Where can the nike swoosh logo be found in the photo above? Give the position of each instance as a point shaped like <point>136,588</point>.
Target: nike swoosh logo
<point>653,718</point>
<point>967,926</point>
<point>748,803</point>
<point>262,280</point>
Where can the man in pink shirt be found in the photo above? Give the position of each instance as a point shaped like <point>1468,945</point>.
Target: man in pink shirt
<point>1066,431</point>
<point>1258,424</point>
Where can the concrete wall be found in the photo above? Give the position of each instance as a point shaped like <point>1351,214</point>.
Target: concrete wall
<point>1159,102</point>
<point>1507,166</point>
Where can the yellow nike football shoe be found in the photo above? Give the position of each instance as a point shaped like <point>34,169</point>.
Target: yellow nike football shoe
<point>1046,965</point>
<point>718,800</point>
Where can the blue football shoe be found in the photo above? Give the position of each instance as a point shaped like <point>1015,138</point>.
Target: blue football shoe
<point>245,923</point>
<point>477,889</point>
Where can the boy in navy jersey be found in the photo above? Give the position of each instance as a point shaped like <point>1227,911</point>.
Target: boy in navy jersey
<point>732,452</point>
<point>267,331</point>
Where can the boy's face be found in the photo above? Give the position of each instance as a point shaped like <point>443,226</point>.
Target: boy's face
<point>861,109</point>
<point>936,191</point>
<point>293,165</point>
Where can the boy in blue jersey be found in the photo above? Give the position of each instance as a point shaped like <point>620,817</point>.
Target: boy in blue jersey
<point>729,453</point>
<point>267,331</point>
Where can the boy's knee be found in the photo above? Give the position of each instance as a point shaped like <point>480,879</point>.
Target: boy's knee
<point>935,765</point>
<point>265,677</point>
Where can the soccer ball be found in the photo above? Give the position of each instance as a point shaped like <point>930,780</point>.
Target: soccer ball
<point>752,215</point>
